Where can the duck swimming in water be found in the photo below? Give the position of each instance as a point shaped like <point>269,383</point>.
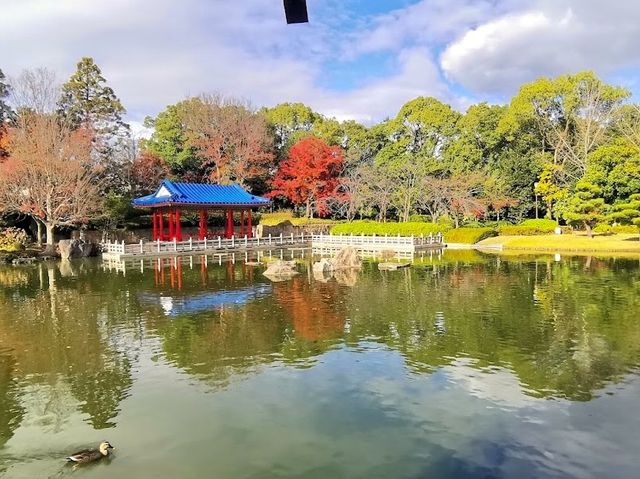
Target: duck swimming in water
<point>90,455</point>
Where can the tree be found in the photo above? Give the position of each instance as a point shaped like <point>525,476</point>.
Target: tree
<point>87,102</point>
<point>571,115</point>
<point>49,174</point>
<point>627,212</point>
<point>286,119</point>
<point>6,115</point>
<point>457,196</point>
<point>232,140</point>
<point>585,206</point>
<point>548,186</point>
<point>310,175</point>
<point>147,171</point>
<point>35,91</point>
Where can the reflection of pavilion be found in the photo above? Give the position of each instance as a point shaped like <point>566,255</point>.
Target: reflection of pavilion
<point>174,305</point>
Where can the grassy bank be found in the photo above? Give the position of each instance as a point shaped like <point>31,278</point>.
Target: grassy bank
<point>621,243</point>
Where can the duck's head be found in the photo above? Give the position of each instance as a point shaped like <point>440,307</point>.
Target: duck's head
<point>105,447</point>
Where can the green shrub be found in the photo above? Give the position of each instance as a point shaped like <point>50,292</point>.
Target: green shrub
<point>273,219</point>
<point>625,229</point>
<point>371,228</point>
<point>13,239</point>
<point>419,219</point>
<point>529,228</point>
<point>468,235</point>
<point>603,228</point>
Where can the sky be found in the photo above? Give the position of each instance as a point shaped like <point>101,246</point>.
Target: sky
<point>356,59</point>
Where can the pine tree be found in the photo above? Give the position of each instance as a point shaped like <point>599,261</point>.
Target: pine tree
<point>6,114</point>
<point>586,206</point>
<point>627,212</point>
<point>87,102</point>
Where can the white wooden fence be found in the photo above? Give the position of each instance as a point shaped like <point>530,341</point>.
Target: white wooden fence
<point>150,248</point>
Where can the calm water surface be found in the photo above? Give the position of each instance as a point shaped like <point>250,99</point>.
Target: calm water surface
<point>463,366</point>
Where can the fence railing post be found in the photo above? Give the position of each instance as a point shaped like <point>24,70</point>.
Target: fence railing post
<point>122,246</point>
<point>233,241</point>
<point>158,244</point>
<point>291,238</point>
<point>269,238</point>
<point>219,242</point>
<point>205,242</point>
<point>245,241</point>
<point>190,243</point>
<point>281,238</point>
<point>141,246</point>
<point>175,244</point>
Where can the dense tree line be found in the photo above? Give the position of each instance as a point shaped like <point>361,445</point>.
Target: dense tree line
<point>567,148</point>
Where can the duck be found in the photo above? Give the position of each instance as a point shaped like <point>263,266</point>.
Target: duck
<point>91,455</point>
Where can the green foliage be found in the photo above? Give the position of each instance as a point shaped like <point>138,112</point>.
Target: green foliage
<point>392,229</point>
<point>169,138</point>
<point>278,217</point>
<point>529,228</point>
<point>86,100</point>
<point>627,212</point>
<point>13,239</point>
<point>469,235</point>
<point>585,206</point>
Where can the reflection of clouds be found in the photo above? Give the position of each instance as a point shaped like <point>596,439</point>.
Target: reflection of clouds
<point>495,384</point>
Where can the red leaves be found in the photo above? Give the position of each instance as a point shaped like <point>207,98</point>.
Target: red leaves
<point>310,175</point>
<point>148,170</point>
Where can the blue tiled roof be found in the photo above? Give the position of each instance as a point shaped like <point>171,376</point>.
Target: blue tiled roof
<point>176,194</point>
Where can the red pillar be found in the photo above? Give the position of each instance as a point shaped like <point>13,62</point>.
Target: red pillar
<point>155,226</point>
<point>228,231</point>
<point>241,223</point>
<point>171,223</point>
<point>202,227</point>
<point>178,228</point>
<point>250,225</point>
<point>160,226</point>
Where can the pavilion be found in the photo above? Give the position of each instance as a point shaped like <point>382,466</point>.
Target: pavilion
<point>171,198</point>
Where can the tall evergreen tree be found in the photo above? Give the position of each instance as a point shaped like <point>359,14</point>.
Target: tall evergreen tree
<point>6,113</point>
<point>86,101</point>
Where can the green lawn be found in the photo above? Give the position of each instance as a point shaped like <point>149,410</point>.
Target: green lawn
<point>621,243</point>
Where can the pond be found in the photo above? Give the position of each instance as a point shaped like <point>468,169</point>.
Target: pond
<point>464,365</point>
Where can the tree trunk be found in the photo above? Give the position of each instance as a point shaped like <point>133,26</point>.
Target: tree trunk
<point>549,207</point>
<point>39,232</point>
<point>50,238</point>
<point>587,226</point>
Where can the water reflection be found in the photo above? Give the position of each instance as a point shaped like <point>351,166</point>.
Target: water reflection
<point>76,339</point>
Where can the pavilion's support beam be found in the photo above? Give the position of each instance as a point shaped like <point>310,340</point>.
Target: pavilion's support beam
<point>228,231</point>
<point>171,224</point>
<point>241,223</point>
<point>160,225</point>
<point>250,226</point>
<point>154,219</point>
<point>202,227</point>
<point>178,229</point>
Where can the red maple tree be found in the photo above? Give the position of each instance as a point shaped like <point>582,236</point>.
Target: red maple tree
<point>310,175</point>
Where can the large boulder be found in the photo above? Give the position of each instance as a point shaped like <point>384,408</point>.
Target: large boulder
<point>346,258</point>
<point>280,270</point>
<point>76,248</point>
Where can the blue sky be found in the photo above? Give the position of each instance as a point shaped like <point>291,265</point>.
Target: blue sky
<point>359,59</point>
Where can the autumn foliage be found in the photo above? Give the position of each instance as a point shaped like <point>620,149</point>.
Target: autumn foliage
<point>310,176</point>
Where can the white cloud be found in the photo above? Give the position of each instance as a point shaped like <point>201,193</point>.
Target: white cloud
<point>551,39</point>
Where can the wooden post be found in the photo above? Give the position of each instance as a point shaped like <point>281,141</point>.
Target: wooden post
<point>241,223</point>
<point>250,225</point>
<point>160,226</point>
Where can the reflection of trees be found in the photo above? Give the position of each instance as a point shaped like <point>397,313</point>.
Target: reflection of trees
<point>11,411</point>
<point>578,332</point>
<point>62,337</point>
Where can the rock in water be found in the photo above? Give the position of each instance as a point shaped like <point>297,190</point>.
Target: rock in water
<point>346,258</point>
<point>324,265</point>
<point>75,248</point>
<point>281,270</point>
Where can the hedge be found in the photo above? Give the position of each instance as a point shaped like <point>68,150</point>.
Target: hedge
<point>273,219</point>
<point>371,228</point>
<point>529,228</point>
<point>617,229</point>
<point>468,235</point>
